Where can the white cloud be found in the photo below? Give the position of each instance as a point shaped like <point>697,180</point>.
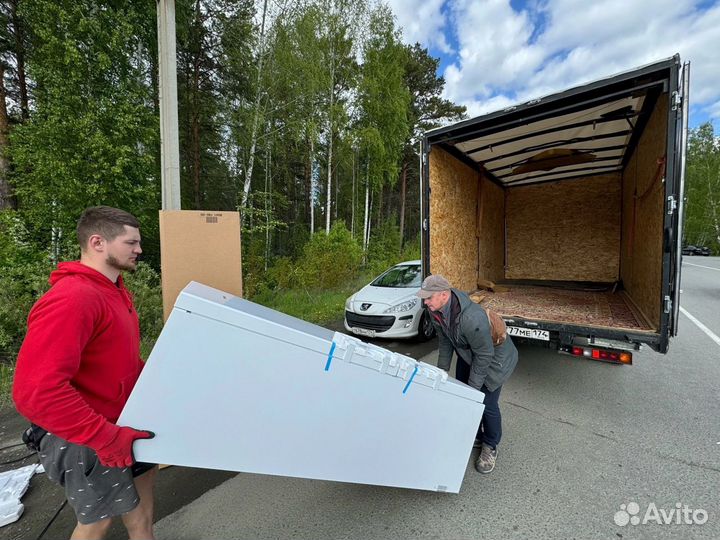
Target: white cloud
<point>505,56</point>
<point>422,22</point>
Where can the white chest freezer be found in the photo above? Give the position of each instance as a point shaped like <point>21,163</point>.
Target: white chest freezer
<point>236,386</point>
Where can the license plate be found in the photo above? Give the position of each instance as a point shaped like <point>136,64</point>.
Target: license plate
<point>530,333</point>
<point>363,332</point>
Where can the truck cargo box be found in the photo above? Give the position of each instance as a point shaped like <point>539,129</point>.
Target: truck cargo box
<point>572,203</point>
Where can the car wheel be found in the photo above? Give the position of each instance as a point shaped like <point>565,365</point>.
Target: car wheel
<point>426,330</point>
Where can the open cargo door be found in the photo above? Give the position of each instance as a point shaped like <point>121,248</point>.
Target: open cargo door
<point>585,187</point>
<point>682,111</point>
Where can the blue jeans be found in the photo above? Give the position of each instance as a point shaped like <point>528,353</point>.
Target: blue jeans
<point>490,429</point>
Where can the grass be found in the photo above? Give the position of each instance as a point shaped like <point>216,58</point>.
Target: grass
<point>6,377</point>
<point>315,306</point>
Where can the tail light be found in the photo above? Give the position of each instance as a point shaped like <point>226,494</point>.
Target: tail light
<point>593,353</point>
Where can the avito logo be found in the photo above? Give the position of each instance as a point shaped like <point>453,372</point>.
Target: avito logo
<point>681,514</point>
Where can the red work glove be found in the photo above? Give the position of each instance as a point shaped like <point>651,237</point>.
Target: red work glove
<point>118,452</point>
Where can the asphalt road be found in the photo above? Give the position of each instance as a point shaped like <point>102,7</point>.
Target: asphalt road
<point>582,442</point>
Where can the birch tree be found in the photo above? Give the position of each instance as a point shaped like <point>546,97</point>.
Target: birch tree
<point>384,101</point>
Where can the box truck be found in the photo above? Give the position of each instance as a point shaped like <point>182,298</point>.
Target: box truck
<point>564,213</point>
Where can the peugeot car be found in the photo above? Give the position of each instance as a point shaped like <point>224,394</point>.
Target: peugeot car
<point>387,307</point>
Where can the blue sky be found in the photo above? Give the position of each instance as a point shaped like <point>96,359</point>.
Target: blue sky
<point>495,53</point>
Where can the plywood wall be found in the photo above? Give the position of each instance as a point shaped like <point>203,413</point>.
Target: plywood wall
<point>453,215</point>
<point>565,231</point>
<point>491,231</point>
<point>643,215</point>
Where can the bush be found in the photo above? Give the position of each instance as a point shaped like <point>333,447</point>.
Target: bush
<point>20,287</point>
<point>282,275</point>
<point>144,284</point>
<point>24,272</point>
<point>331,260</point>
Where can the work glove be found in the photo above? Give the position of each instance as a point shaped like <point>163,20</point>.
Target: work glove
<point>118,452</point>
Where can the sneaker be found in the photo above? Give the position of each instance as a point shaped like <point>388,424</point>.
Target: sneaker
<point>477,443</point>
<point>485,462</point>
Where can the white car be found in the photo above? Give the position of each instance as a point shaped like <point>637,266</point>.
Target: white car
<point>387,307</point>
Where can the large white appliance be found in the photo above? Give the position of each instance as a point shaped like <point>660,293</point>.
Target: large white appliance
<point>236,386</point>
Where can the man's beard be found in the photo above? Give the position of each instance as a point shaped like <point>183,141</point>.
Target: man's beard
<point>114,263</point>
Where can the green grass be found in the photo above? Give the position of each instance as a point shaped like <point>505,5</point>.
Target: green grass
<point>6,378</point>
<point>315,306</point>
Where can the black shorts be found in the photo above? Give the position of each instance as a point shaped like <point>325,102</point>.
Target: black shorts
<point>94,491</point>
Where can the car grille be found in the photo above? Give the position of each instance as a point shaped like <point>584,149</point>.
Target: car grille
<point>371,322</point>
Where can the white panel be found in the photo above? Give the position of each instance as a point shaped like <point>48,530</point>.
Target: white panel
<point>569,134</point>
<point>235,386</point>
<point>503,166</point>
<point>553,122</point>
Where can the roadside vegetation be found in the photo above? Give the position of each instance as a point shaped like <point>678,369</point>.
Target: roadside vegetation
<point>305,117</point>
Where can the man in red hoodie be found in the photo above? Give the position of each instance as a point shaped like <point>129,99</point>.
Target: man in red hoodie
<point>75,371</point>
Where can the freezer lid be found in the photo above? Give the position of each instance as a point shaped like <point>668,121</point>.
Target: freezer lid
<point>354,351</point>
<point>229,309</point>
<point>225,308</point>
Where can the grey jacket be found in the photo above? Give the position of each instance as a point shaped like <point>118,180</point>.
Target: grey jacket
<point>472,340</point>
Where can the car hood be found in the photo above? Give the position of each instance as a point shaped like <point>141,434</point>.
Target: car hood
<point>381,298</point>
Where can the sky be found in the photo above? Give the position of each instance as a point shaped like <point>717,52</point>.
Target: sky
<point>497,53</point>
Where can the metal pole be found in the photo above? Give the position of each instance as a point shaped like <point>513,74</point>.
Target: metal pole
<point>167,79</point>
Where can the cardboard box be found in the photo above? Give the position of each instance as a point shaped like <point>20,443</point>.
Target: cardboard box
<point>199,245</point>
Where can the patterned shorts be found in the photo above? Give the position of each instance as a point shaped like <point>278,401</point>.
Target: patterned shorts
<point>94,491</point>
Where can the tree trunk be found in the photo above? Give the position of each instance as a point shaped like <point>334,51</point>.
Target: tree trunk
<point>195,130</point>
<point>267,202</point>
<point>308,185</point>
<point>329,176</point>
<point>311,193</point>
<point>337,193</point>
<point>6,196</point>
<point>403,184</point>
<point>330,144</point>
<point>366,222</point>
<point>370,207</point>
<point>352,211</point>
<point>378,221</point>
<point>19,34</point>
<point>256,119</point>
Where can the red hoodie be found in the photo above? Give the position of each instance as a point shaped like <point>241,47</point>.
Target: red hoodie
<point>80,358</point>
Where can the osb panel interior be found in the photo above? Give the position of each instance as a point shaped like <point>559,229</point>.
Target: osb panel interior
<point>453,211</point>
<point>565,231</point>
<point>603,309</point>
<point>643,215</point>
<point>491,231</point>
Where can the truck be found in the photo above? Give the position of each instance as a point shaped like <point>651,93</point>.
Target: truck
<point>563,214</point>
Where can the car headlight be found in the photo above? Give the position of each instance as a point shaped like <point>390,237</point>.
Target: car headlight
<point>405,306</point>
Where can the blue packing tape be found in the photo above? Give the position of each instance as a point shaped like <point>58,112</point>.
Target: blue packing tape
<point>330,355</point>
<point>410,380</point>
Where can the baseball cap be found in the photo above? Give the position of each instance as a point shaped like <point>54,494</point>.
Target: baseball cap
<point>432,284</point>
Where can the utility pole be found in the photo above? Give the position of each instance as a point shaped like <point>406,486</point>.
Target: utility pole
<point>167,78</point>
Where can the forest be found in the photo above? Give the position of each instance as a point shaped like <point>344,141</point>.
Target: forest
<point>305,116</point>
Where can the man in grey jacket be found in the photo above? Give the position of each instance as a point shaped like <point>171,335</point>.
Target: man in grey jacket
<point>463,326</point>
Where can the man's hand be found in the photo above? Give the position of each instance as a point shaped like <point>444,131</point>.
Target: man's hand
<point>118,452</point>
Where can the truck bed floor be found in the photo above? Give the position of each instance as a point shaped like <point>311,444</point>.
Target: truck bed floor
<point>551,304</point>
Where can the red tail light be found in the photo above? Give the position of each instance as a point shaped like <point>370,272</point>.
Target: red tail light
<point>604,355</point>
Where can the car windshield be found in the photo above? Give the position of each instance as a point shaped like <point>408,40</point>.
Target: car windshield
<point>400,276</point>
